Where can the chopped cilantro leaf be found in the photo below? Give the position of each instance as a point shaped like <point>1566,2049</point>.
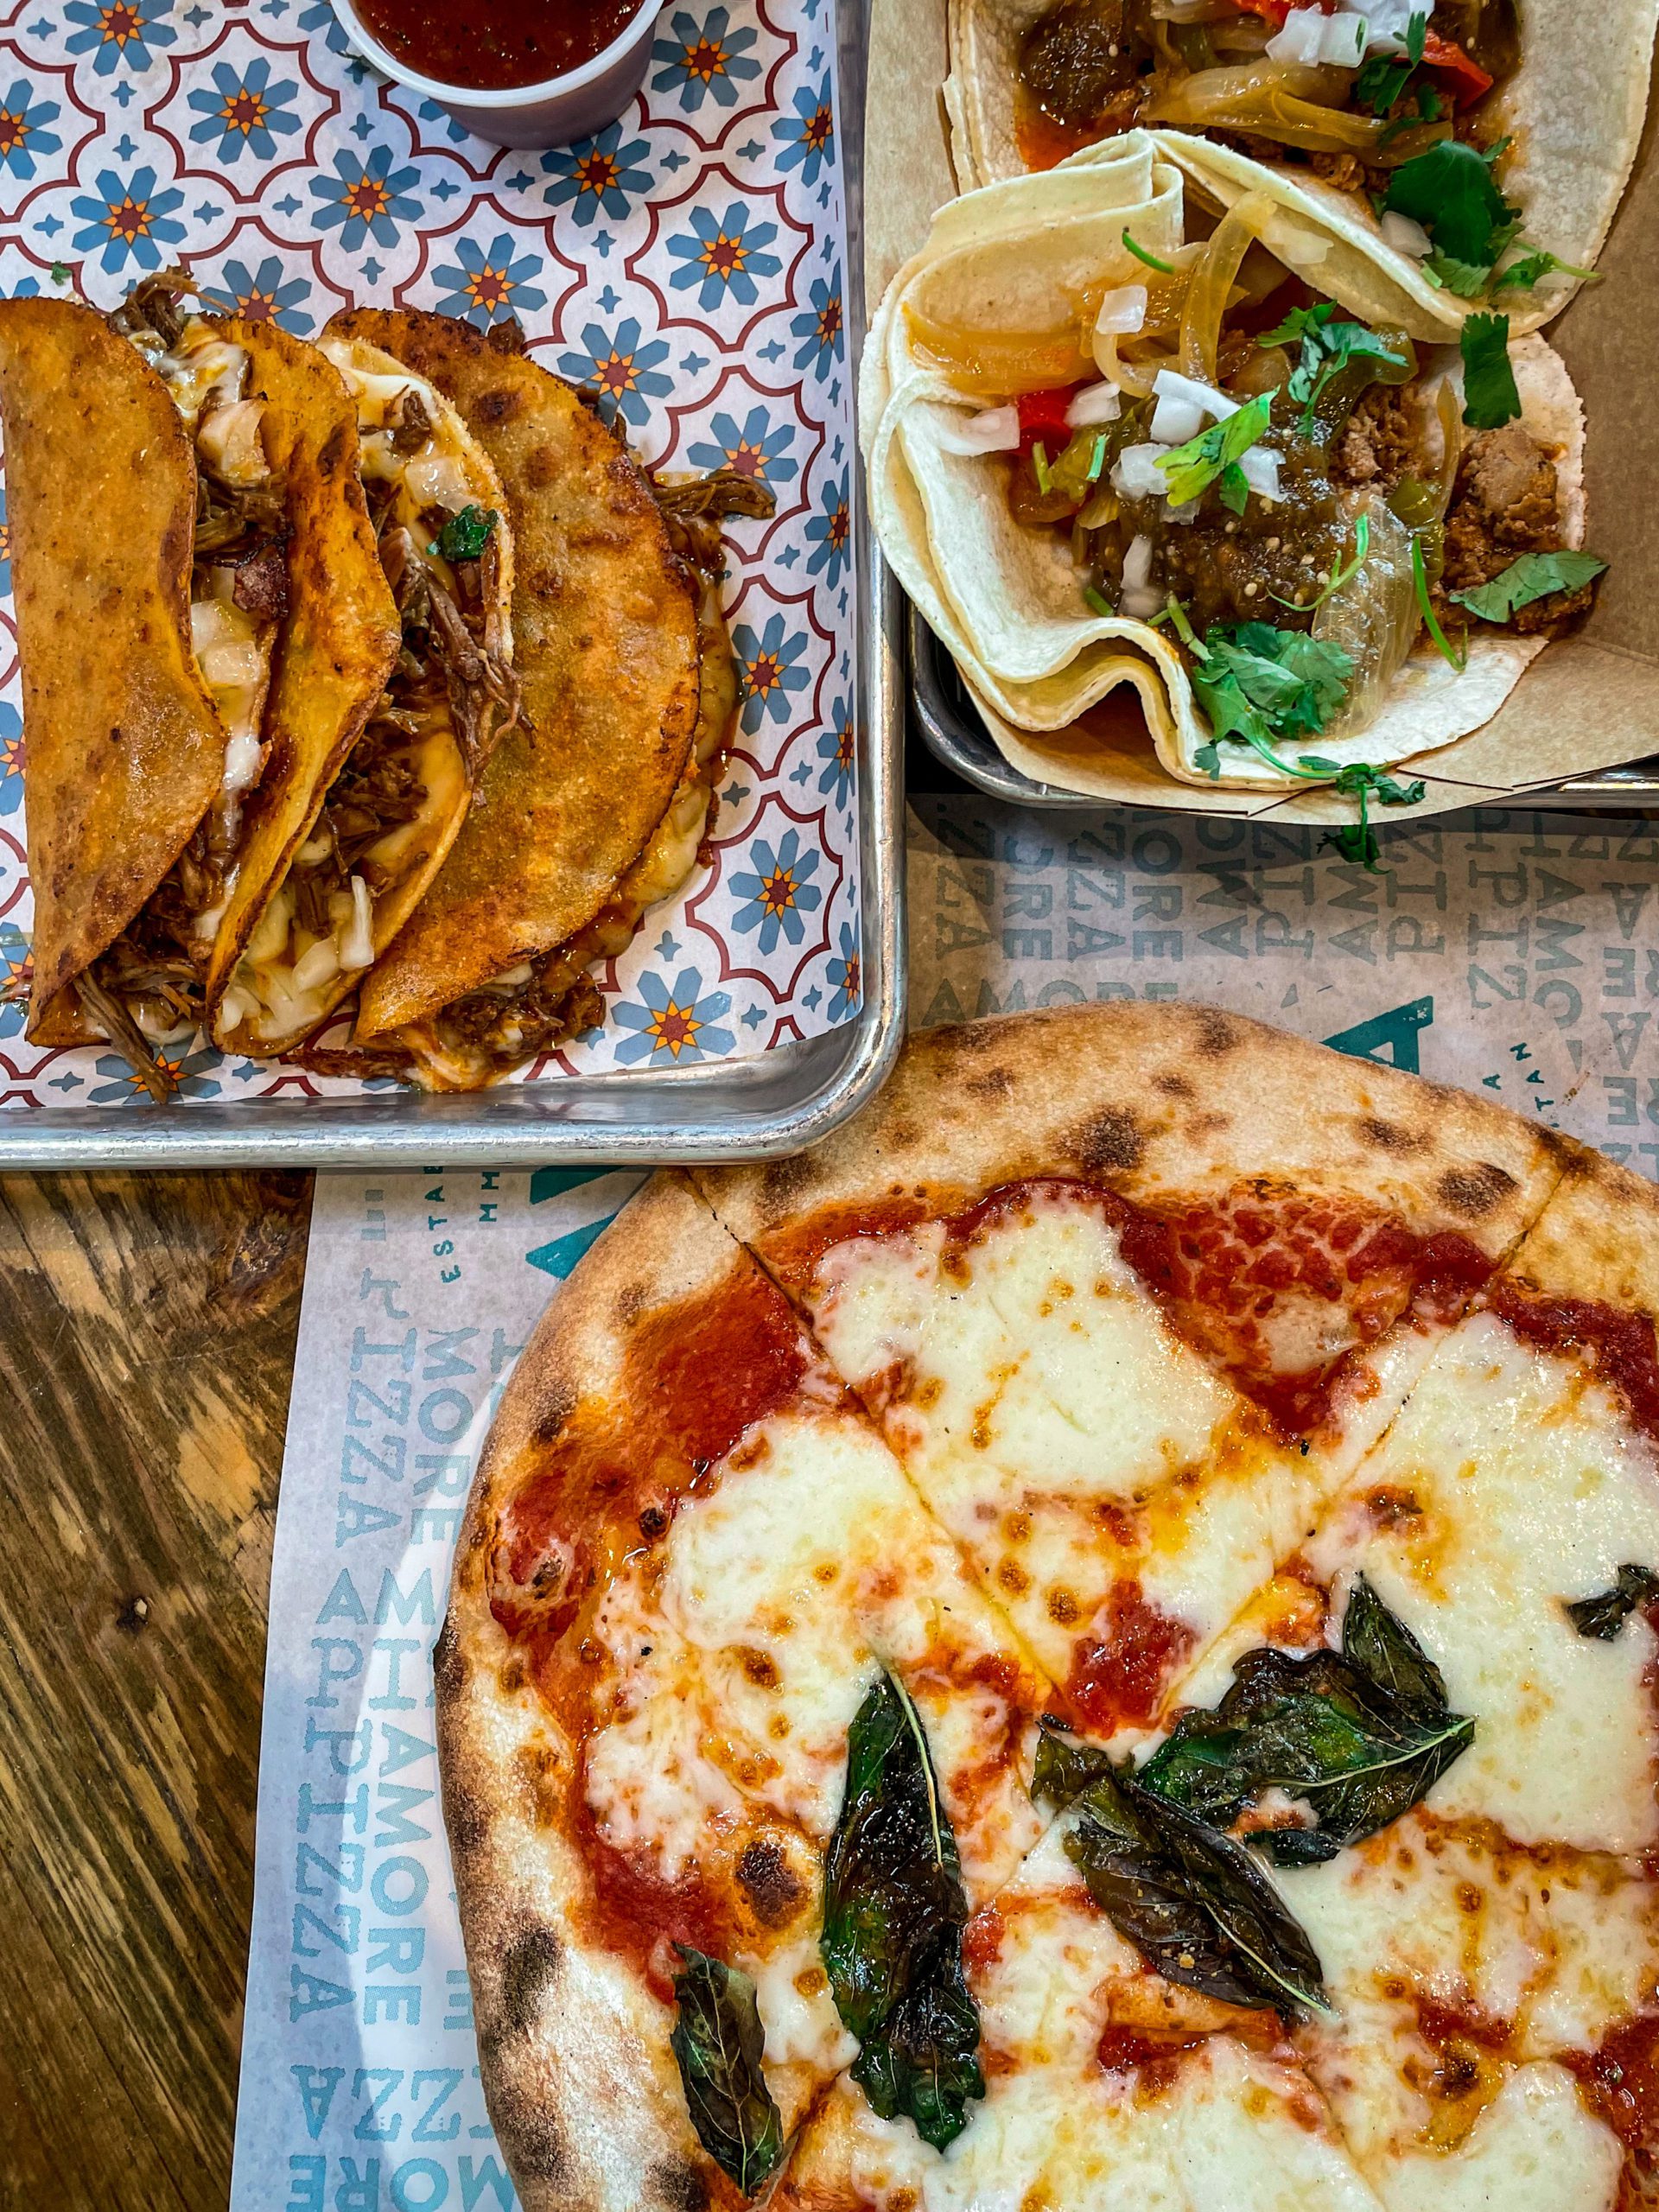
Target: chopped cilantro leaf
<point>59,274</point>
<point>1382,81</point>
<point>1490,398</point>
<point>1234,489</point>
<point>1208,758</point>
<point>1522,276</point>
<point>1416,38</point>
<point>1197,464</point>
<point>1356,841</point>
<point>1450,191</point>
<point>1327,348</point>
<point>1467,279</point>
<point>1164,268</point>
<point>464,537</point>
<point>1258,685</point>
<point>1534,577</point>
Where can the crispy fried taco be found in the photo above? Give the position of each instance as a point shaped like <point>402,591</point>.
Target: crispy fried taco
<point>377,831</point>
<point>203,627</point>
<point>1465,151</point>
<point>1115,441</point>
<point>595,807</point>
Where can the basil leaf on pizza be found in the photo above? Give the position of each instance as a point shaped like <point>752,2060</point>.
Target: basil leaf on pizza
<point>1604,1616</point>
<point>893,1913</point>
<point>1192,1902</point>
<point>718,2041</point>
<point>1357,1737</point>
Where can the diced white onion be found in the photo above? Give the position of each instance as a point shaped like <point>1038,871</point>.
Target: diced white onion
<point>1405,236</point>
<point>1300,38</point>
<point>1122,311</point>
<point>995,430</point>
<point>1183,404</point>
<point>1137,563</point>
<point>1344,40</point>
<point>1174,420</point>
<point>1260,471</point>
<point>356,946</point>
<point>313,850</point>
<point>1139,603</point>
<point>318,965</point>
<point>1136,476</point>
<point>1187,511</point>
<point>1094,404</point>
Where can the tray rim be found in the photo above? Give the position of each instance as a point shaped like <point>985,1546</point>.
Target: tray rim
<point>762,1107</point>
<point>969,751</point>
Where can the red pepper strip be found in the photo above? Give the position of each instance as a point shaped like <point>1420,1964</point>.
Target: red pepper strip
<point>1271,11</point>
<point>1042,418</point>
<point>1466,79</point>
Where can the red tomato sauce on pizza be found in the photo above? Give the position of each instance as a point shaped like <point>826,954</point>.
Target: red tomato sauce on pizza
<point>1620,1348</point>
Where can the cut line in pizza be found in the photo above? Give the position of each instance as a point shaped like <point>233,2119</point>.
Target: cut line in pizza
<point>1085,1643</point>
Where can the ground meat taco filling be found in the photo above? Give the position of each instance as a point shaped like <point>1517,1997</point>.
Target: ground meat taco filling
<point>1291,495</point>
<point>1352,95</point>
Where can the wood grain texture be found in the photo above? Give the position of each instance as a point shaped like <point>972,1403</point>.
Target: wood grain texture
<point>147,1330</point>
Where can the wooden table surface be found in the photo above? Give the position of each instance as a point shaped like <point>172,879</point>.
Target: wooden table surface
<point>147,1329</point>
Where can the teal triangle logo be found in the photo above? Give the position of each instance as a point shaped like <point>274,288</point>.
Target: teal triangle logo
<point>559,1257</point>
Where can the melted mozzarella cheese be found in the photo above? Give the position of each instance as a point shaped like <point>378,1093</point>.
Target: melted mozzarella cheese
<point>743,1654</point>
<point>1511,1482</point>
<point>1064,1435</point>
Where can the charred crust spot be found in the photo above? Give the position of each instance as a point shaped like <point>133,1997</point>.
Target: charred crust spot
<point>1107,1140</point>
<point>653,1523</point>
<point>1473,1191</point>
<point>1216,1036</point>
<point>501,405</point>
<point>630,1302</point>
<point>530,2134</point>
<point>1389,1136</point>
<point>782,1181</point>
<point>1173,1086</point>
<point>449,1661</point>
<point>673,2186</point>
<point>530,1966</point>
<point>468,1824</point>
<point>556,1409</point>
<point>994,1082</point>
<point>541,468</point>
<point>772,1888</point>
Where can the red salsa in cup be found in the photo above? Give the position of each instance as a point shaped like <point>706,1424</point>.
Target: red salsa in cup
<point>496,44</point>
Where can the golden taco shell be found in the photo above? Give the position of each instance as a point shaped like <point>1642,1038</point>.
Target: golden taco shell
<point>604,617</point>
<point>125,747</point>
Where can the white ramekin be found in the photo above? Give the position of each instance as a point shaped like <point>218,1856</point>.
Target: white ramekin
<point>574,105</point>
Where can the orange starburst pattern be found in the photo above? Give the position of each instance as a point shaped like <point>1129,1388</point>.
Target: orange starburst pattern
<point>705,60</point>
<point>489,289</point>
<point>128,218</point>
<point>765,673</point>
<point>778,891</point>
<point>615,374</point>
<point>724,257</point>
<point>819,130</point>
<point>366,198</point>
<point>14,130</point>
<point>118,24</point>
<point>245,111</point>
<point>598,172</point>
<point>675,1028</point>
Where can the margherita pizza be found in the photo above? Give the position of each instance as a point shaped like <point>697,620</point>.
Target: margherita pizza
<point>1086,1644</point>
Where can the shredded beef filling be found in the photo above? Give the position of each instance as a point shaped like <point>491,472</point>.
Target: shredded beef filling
<point>1506,503</point>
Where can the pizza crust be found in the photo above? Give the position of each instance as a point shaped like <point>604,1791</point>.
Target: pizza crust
<point>1157,1099</point>
<point>582,2086</point>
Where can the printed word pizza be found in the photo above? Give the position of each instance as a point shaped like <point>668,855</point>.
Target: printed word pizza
<point>1086,1644</point>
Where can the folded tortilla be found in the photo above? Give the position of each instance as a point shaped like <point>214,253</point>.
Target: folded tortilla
<point>355,862</point>
<point>1004,599</point>
<point>1573,109</point>
<point>596,804</point>
<point>203,626</point>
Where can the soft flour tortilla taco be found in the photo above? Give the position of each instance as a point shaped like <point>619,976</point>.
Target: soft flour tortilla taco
<point>1119,444</point>
<point>203,627</point>
<point>596,805</point>
<point>376,833</point>
<point>1483,144</point>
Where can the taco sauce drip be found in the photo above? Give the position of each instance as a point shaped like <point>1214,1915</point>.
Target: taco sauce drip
<point>496,44</point>
<point>1089,68</point>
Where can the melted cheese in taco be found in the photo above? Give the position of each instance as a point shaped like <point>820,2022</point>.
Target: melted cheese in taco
<point>390,814</point>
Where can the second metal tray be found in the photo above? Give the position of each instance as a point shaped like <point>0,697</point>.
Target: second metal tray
<point>955,735</point>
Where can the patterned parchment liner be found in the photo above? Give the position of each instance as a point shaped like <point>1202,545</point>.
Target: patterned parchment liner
<point>687,262</point>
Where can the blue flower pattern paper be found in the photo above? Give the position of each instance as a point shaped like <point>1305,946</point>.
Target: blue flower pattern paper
<point>686,264</point>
